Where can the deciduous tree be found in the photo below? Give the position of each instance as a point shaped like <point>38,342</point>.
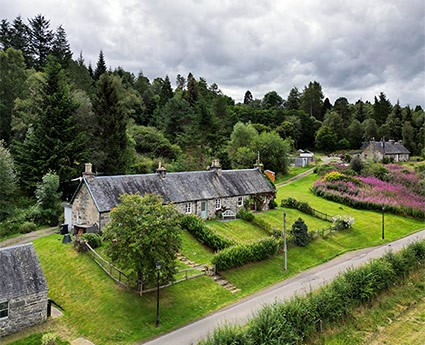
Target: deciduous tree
<point>141,232</point>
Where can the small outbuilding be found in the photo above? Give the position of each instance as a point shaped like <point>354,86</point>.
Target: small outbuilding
<point>380,150</point>
<point>305,158</point>
<point>23,289</point>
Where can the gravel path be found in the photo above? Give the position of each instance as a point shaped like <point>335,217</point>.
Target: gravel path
<point>26,238</point>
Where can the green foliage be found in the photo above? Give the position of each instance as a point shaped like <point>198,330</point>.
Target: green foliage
<point>300,232</point>
<point>7,181</point>
<point>48,199</point>
<point>203,234</point>
<point>299,205</point>
<point>245,215</point>
<point>27,227</point>
<point>94,240</point>
<point>356,164</point>
<point>239,255</point>
<point>142,231</point>
<point>226,335</point>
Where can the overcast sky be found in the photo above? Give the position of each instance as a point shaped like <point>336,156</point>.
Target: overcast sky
<point>354,48</point>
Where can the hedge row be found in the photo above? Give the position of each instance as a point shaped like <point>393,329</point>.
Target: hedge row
<point>300,318</point>
<point>250,218</point>
<point>204,234</point>
<point>240,255</point>
<point>304,207</point>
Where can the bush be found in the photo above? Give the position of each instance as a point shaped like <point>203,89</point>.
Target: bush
<point>227,335</point>
<point>298,205</point>
<point>342,223</point>
<point>245,215</point>
<point>94,240</point>
<point>272,204</point>
<point>300,232</point>
<point>204,234</point>
<point>240,255</point>
<point>27,227</point>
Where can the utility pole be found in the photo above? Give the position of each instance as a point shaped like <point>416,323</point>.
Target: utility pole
<point>284,241</point>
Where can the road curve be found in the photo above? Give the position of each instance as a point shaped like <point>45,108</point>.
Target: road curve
<point>306,281</point>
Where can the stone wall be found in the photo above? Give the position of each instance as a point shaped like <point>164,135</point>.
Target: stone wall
<point>84,210</point>
<point>24,312</point>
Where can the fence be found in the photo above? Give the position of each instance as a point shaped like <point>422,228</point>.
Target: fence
<point>116,274</point>
<point>321,215</point>
<point>121,278</point>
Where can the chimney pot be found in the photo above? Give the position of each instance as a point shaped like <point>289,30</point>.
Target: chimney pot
<point>88,170</point>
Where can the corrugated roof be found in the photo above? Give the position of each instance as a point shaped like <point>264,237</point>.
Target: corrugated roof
<point>178,187</point>
<point>391,147</point>
<point>20,272</point>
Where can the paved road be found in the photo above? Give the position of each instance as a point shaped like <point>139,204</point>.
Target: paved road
<point>26,238</point>
<point>306,281</point>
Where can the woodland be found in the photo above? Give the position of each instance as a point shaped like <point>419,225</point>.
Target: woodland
<point>57,113</point>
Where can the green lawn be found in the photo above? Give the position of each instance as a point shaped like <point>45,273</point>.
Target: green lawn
<point>293,171</point>
<point>98,309</point>
<point>237,230</point>
<point>195,251</point>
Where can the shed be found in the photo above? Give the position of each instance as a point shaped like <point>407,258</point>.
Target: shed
<point>23,289</point>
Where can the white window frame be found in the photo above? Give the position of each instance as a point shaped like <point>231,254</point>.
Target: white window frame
<point>188,207</point>
<point>240,201</point>
<point>217,204</point>
<point>4,309</point>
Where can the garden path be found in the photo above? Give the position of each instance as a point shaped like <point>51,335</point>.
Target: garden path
<point>26,238</point>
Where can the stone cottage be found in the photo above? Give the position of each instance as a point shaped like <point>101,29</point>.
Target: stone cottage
<point>379,150</point>
<point>202,193</point>
<point>23,289</point>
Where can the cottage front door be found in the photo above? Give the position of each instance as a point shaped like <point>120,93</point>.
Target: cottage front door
<point>204,209</point>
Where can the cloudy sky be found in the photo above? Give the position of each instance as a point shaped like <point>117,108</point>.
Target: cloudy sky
<point>355,49</point>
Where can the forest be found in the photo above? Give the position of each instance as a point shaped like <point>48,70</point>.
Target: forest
<point>57,113</point>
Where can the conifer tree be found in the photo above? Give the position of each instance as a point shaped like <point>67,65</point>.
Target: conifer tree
<point>60,47</point>
<point>53,143</point>
<point>41,40</point>
<point>100,67</point>
<point>111,121</point>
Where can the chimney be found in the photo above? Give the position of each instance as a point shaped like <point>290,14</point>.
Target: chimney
<point>88,170</point>
<point>215,166</point>
<point>161,171</point>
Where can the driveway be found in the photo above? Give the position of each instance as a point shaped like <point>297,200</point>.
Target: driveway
<point>26,238</point>
<point>306,281</point>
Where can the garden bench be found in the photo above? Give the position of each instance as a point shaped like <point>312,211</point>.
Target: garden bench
<point>228,214</point>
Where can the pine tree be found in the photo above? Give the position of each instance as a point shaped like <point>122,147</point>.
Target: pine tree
<point>21,39</point>
<point>53,143</point>
<point>5,35</point>
<point>247,97</point>
<point>100,67</point>
<point>60,47</point>
<point>111,122</point>
<point>312,100</point>
<point>166,92</point>
<point>381,109</point>
<point>293,102</point>
<point>41,40</point>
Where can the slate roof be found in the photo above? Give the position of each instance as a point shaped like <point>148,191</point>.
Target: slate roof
<point>177,187</point>
<point>20,272</point>
<point>391,147</point>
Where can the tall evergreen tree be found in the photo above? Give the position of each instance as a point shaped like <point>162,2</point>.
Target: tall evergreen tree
<point>12,77</point>
<point>111,120</point>
<point>294,99</point>
<point>60,47</point>
<point>381,109</point>
<point>21,39</point>
<point>41,40</point>
<point>53,144</point>
<point>312,100</point>
<point>166,91</point>
<point>100,67</point>
<point>5,35</point>
<point>360,112</point>
<point>247,97</point>
<point>192,90</point>
<point>341,106</point>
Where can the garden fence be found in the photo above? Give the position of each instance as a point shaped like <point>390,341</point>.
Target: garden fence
<point>120,277</point>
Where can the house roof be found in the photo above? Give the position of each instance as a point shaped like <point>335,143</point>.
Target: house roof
<point>21,272</point>
<point>391,147</point>
<point>177,187</point>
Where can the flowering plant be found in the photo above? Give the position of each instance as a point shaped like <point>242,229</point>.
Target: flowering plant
<point>342,222</point>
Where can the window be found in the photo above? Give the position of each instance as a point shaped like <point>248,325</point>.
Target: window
<point>217,204</point>
<point>4,309</point>
<point>240,201</point>
<point>188,207</point>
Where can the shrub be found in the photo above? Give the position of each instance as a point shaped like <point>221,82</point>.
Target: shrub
<point>204,234</point>
<point>300,232</point>
<point>298,205</point>
<point>49,339</point>
<point>94,240</point>
<point>27,227</point>
<point>240,255</point>
<point>245,215</point>
<point>272,204</point>
<point>227,335</point>
<point>342,223</point>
